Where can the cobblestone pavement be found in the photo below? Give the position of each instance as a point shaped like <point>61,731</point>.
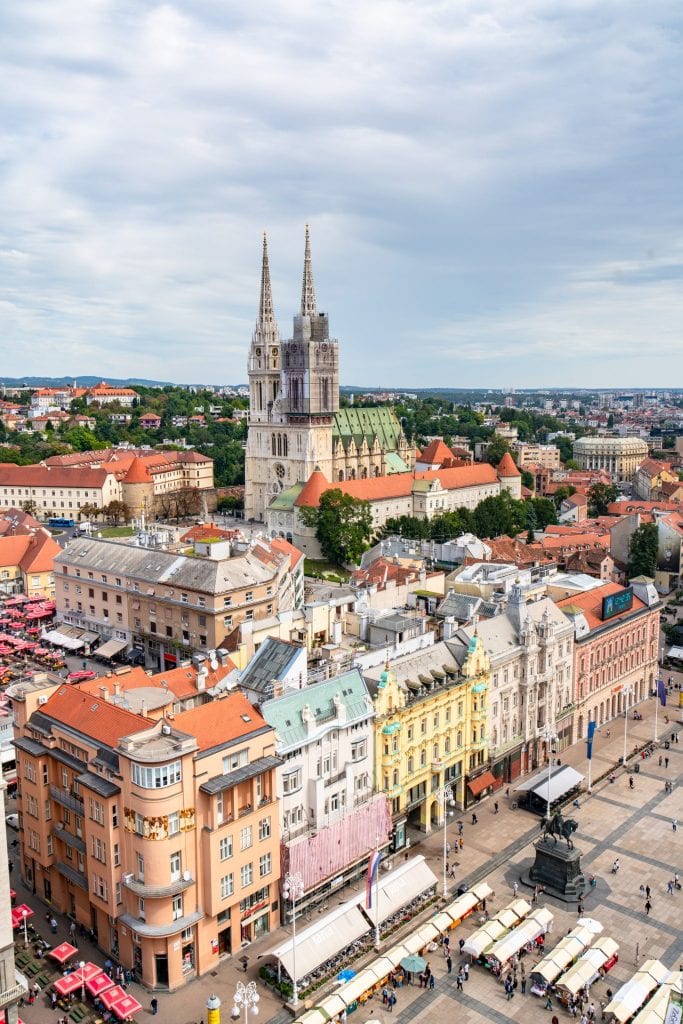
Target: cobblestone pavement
<point>614,821</point>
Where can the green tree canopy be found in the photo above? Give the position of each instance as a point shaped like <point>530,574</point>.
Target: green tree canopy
<point>343,526</point>
<point>599,497</point>
<point>496,449</point>
<point>642,551</point>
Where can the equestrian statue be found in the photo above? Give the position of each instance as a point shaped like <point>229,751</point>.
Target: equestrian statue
<point>559,827</point>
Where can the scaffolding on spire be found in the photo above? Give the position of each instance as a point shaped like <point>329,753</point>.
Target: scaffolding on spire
<point>308,306</point>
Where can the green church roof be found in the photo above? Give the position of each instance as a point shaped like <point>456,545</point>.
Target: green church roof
<point>380,422</point>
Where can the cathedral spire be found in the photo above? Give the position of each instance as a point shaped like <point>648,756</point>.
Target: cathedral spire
<point>308,307</point>
<point>266,327</point>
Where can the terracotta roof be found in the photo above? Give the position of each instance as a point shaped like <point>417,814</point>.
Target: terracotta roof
<point>590,603</point>
<point>208,532</point>
<point>220,721</point>
<point>282,545</point>
<point>180,682</point>
<point>506,467</point>
<point>549,542</point>
<point>397,485</point>
<point>314,489</point>
<point>654,467</point>
<point>40,553</point>
<point>138,473</point>
<point>629,506</point>
<point>101,721</point>
<point>436,452</point>
<point>576,499</point>
<point>50,476</point>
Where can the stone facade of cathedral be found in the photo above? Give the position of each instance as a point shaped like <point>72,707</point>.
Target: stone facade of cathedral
<point>295,424</point>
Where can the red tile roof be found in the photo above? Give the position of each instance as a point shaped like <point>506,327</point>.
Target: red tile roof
<point>50,476</point>
<point>101,721</point>
<point>282,545</point>
<point>436,453</point>
<point>397,485</point>
<point>138,473</point>
<point>220,721</point>
<point>590,603</point>
<point>507,467</point>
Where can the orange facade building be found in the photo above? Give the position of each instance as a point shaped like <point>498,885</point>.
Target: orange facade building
<point>156,828</point>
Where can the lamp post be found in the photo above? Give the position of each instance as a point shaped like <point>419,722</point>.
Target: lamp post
<point>82,967</point>
<point>213,1010</point>
<point>293,890</point>
<point>245,997</point>
<point>446,799</point>
<point>24,915</point>
<point>550,737</point>
<point>627,691</point>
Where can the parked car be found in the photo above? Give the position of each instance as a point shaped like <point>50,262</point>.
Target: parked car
<point>13,821</point>
<point>82,676</point>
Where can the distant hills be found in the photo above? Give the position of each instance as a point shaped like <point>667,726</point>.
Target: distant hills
<point>84,381</point>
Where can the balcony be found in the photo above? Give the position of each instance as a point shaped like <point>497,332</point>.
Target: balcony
<point>66,799</point>
<point>68,838</point>
<point>157,891</point>
<point>76,877</point>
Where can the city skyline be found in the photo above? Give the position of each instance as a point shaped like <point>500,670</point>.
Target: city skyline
<point>493,190</point>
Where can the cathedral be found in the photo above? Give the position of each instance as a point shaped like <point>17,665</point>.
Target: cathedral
<point>295,424</point>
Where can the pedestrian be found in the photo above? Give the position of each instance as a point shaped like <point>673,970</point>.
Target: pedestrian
<point>554,1019</point>
<point>448,849</point>
<point>666,762</point>
<point>154,1006</point>
<point>642,890</point>
<point>72,933</point>
<point>591,1011</point>
<point>674,824</point>
<point>670,887</point>
<point>447,867</point>
<point>509,993</point>
<point>548,1002</point>
<point>460,828</point>
<point>458,981</point>
<point>648,907</point>
<point>449,963</point>
<point>647,892</point>
<point>466,971</point>
<point>392,1001</point>
<point>515,888</point>
<point>461,842</point>
<point>580,907</point>
<point>522,985</point>
<point>474,819</point>
<point>53,925</point>
<point>660,760</point>
<point>431,981</point>
<point>385,993</point>
<point>495,807</point>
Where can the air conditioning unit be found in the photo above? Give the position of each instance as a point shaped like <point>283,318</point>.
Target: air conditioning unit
<point>128,877</point>
<point>42,699</point>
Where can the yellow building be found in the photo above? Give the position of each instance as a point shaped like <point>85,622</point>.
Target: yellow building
<point>26,564</point>
<point>431,733</point>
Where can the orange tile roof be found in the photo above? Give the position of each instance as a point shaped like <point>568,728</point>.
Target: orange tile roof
<point>396,485</point>
<point>313,490</point>
<point>282,545</point>
<point>507,467</point>
<point>40,553</point>
<point>629,506</point>
<point>180,682</point>
<point>592,540</point>
<point>220,721</point>
<point>50,476</point>
<point>208,532</point>
<point>138,473</point>
<point>101,721</point>
<point>436,453</point>
<point>590,603</point>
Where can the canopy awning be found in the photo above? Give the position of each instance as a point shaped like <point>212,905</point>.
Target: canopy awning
<point>587,967</point>
<point>53,636</point>
<point>482,782</point>
<point>631,996</point>
<point>536,924</point>
<point>352,991</point>
<point>111,648</point>
<point>563,955</point>
<point>421,938</point>
<point>401,886</point>
<point>484,938</point>
<point>322,940</point>
<point>655,1012</point>
<point>465,903</point>
<point>562,780</point>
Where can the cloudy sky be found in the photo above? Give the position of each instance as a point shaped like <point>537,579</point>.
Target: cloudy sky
<point>493,187</point>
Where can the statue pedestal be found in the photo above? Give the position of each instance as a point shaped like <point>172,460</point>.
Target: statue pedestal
<point>558,870</point>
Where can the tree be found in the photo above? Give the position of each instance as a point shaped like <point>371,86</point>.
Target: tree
<point>545,512</point>
<point>531,523</point>
<point>528,480</point>
<point>29,506</point>
<point>642,551</point>
<point>599,497</point>
<point>90,511</point>
<point>496,449</point>
<point>115,511</point>
<point>343,526</point>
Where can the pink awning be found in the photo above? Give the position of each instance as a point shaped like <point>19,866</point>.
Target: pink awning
<point>96,986</point>
<point>113,995</point>
<point>63,952</point>
<point>126,1007</point>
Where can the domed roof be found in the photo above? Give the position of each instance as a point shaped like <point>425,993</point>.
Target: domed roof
<point>506,466</point>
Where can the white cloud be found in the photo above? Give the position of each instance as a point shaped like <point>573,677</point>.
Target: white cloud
<point>503,168</point>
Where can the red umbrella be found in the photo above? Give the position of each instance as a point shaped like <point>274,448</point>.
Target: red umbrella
<point>113,995</point>
<point>63,952</point>
<point>99,984</point>
<point>69,983</point>
<point>126,1007</point>
<point>19,913</point>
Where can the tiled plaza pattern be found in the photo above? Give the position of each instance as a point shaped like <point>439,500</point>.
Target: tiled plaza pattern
<point>635,826</point>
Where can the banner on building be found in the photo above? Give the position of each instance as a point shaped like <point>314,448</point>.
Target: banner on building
<point>661,691</point>
<point>589,743</point>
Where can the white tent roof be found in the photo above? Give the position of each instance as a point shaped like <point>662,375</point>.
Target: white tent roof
<point>631,996</point>
<point>468,901</point>
<point>356,987</point>
<point>564,954</point>
<point>53,636</point>
<point>399,887</point>
<point>322,940</point>
<point>421,938</point>
<point>655,1011</point>
<point>561,781</point>
<point>587,967</point>
<point>484,937</point>
<point>675,652</point>
<point>536,924</point>
<point>111,648</point>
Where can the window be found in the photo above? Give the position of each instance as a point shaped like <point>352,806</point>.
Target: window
<point>114,816</point>
<point>98,849</point>
<point>117,893</point>
<point>174,823</point>
<point>264,828</point>
<point>225,848</point>
<point>175,860</point>
<point>116,853</point>
<point>249,596</point>
<point>291,782</point>
<point>227,621</point>
<point>227,886</point>
<point>247,874</point>
<point>157,778</point>
<point>141,908</point>
<point>246,837</point>
<point>237,760</point>
<point>265,864</point>
<point>359,750</point>
<point>96,810</point>
<point>140,865</point>
<point>99,887</point>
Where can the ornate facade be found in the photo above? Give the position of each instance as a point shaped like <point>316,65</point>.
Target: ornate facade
<point>295,424</point>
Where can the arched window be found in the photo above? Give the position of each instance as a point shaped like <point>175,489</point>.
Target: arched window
<point>410,765</point>
<point>273,444</point>
<point>396,776</point>
<point>284,445</point>
<point>341,474</point>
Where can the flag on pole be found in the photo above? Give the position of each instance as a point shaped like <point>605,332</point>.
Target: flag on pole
<point>373,865</point>
<point>661,691</point>
<point>589,744</point>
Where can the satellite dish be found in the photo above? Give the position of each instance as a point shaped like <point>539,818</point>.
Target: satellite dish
<point>214,664</point>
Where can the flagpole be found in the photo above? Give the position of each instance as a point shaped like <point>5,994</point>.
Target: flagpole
<point>590,761</point>
<point>377,936</point>
<point>656,709</point>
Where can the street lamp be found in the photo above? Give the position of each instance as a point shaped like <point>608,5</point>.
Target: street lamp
<point>293,889</point>
<point>82,967</point>
<point>627,692</point>
<point>24,915</point>
<point>446,799</point>
<point>246,997</point>
<point>550,737</point>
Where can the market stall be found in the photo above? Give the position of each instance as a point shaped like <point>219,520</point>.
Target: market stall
<point>555,963</point>
<point>520,939</point>
<point>490,932</point>
<point>655,1012</point>
<point>635,993</point>
<point>594,963</point>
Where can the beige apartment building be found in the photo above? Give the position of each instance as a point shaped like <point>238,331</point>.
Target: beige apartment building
<point>619,456</point>
<point>545,455</point>
<point>160,835</point>
<point>168,605</point>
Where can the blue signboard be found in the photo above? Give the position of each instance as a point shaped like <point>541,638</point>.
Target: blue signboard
<point>615,604</point>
